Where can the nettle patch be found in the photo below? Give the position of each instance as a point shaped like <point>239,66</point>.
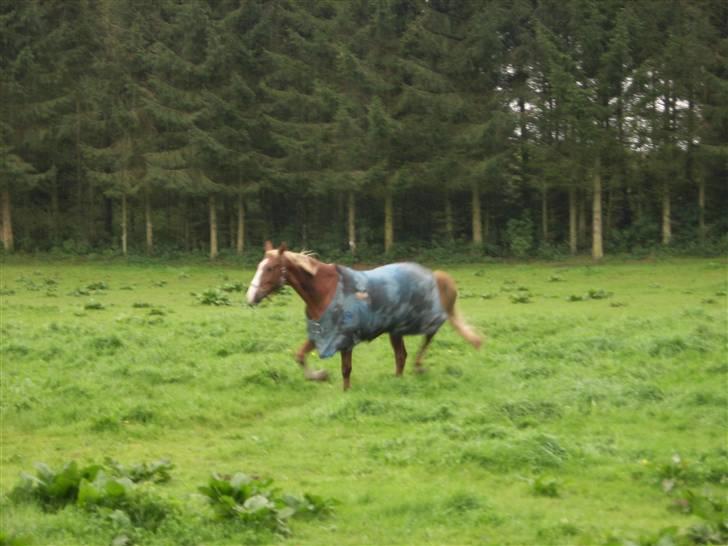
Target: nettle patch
<point>691,488</point>
<point>212,296</point>
<point>592,294</point>
<point>256,503</point>
<point>220,295</point>
<point>127,498</point>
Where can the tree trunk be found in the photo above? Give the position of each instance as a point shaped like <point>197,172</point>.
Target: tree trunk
<point>572,221</point>
<point>7,222</point>
<point>109,218</point>
<point>213,228</point>
<point>240,243</point>
<point>148,222</point>
<point>124,232</point>
<point>84,210</point>
<point>545,214</point>
<point>54,209</point>
<point>701,210</point>
<point>303,215</point>
<point>388,222</point>
<point>90,220</point>
<point>341,204</point>
<point>267,216</point>
<point>610,211</point>
<point>185,225</point>
<point>232,226</point>
<point>351,221</point>
<point>449,226</point>
<point>168,221</point>
<point>597,251</point>
<point>486,224</point>
<point>476,217</point>
<point>689,166</point>
<point>666,227</point>
<point>581,233</point>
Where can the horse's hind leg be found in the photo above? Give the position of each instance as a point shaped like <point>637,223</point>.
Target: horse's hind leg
<point>400,353</point>
<point>307,347</point>
<point>346,368</point>
<point>421,352</point>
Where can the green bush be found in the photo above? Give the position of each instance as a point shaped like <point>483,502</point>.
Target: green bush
<point>116,493</point>
<point>519,236</point>
<point>213,296</point>
<point>256,503</point>
<point>108,494</point>
<point>53,490</point>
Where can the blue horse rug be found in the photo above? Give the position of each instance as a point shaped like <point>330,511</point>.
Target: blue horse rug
<point>400,299</point>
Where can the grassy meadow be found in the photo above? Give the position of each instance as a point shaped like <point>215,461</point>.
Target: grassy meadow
<point>594,414</point>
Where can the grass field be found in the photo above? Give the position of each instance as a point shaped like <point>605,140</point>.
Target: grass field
<point>595,412</point>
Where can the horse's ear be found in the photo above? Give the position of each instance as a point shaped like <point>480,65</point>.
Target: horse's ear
<point>268,246</point>
<point>282,248</point>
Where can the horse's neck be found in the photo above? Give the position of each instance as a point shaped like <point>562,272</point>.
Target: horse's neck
<point>317,290</point>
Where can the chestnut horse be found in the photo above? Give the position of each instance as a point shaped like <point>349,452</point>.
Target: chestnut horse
<point>344,306</point>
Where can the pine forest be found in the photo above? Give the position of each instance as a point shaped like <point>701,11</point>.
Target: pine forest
<point>372,128</point>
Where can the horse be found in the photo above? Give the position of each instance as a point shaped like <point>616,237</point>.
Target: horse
<point>345,306</point>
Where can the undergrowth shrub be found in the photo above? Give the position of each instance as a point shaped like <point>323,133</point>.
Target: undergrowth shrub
<point>212,296</point>
<point>106,344</point>
<point>108,495</point>
<point>232,287</point>
<point>53,489</point>
<point>679,479</point>
<point>519,236</point>
<point>256,503</point>
<point>126,500</point>
<point>592,294</point>
<point>545,486</point>
<point>157,471</point>
<point>98,285</point>
<point>521,297</point>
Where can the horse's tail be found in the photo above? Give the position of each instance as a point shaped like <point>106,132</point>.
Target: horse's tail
<point>448,296</point>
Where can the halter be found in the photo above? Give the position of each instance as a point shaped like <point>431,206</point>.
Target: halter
<point>281,282</point>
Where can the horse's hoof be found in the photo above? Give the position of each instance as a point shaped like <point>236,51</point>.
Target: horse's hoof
<point>420,369</point>
<point>318,375</point>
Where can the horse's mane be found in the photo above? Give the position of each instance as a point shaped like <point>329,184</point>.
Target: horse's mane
<point>304,259</point>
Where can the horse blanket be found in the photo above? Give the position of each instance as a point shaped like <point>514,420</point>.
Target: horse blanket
<point>401,299</point>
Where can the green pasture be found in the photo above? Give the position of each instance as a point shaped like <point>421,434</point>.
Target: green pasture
<point>593,414</point>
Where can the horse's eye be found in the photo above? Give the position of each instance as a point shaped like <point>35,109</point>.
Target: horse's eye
<point>268,269</point>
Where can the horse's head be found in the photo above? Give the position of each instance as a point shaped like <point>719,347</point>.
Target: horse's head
<point>270,276</point>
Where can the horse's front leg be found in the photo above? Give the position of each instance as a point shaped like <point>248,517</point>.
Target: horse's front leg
<point>307,347</point>
<point>400,353</point>
<point>346,368</point>
<point>421,353</point>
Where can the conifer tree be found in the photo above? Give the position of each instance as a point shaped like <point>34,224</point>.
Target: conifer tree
<point>116,155</point>
<point>324,121</point>
<point>30,100</point>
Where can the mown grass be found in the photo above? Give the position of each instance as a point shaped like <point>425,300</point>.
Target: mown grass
<point>557,432</point>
